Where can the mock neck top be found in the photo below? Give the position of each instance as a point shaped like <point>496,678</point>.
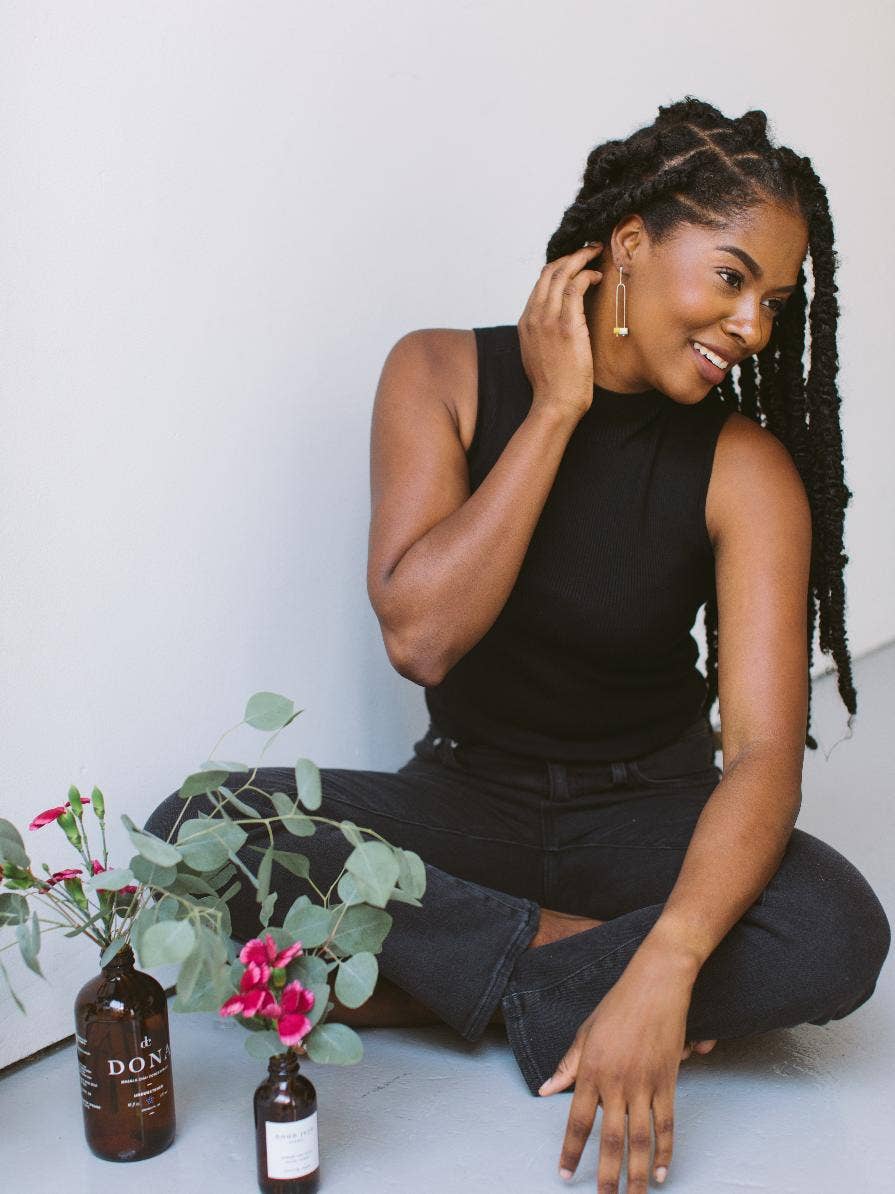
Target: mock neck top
<point>592,655</point>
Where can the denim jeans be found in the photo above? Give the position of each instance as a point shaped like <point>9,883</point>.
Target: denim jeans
<point>502,835</point>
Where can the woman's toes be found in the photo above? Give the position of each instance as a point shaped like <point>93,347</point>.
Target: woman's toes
<point>704,1046</point>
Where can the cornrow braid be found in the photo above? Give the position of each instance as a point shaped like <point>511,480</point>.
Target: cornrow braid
<point>695,165</point>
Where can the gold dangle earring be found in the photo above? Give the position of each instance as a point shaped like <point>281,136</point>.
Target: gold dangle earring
<point>620,328</point>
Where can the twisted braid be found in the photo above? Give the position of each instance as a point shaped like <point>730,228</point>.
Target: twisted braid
<point>695,165</point>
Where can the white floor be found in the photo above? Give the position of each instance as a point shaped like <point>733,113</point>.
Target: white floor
<point>805,1109</point>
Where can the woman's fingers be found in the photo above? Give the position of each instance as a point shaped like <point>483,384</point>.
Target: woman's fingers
<point>579,1124</point>
<point>663,1128</point>
<point>612,1144</point>
<point>640,1139</point>
<point>568,283</point>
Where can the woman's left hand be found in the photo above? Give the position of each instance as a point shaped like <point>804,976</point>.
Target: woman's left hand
<point>625,1057</point>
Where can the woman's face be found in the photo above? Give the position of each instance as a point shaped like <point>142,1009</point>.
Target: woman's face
<point>718,287</point>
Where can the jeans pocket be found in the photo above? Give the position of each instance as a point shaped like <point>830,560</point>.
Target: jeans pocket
<point>687,762</point>
<point>656,776</point>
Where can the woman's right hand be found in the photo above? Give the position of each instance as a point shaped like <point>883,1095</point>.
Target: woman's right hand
<point>554,337</point>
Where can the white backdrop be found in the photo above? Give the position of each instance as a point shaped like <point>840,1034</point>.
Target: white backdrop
<point>217,218</point>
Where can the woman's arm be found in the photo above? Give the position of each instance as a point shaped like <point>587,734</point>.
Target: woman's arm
<point>442,563</point>
<point>759,521</point>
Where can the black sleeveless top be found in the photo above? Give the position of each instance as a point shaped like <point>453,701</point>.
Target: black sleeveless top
<point>591,656</point>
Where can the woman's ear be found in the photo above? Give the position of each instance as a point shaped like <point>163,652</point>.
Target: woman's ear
<point>627,237</point>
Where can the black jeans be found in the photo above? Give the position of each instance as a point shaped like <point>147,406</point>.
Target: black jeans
<point>503,834</point>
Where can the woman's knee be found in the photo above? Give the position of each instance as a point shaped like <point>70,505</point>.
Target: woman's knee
<point>848,932</point>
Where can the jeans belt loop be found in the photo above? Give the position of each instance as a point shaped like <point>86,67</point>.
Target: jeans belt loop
<point>446,749</point>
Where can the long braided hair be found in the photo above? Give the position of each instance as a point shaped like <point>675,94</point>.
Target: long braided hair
<point>695,165</point>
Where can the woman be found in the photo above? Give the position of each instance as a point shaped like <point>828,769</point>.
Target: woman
<point>552,503</point>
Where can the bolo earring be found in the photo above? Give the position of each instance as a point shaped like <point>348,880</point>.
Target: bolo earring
<point>620,328</point>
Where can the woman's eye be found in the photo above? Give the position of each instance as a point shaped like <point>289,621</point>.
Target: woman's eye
<point>733,272</point>
<point>780,303</point>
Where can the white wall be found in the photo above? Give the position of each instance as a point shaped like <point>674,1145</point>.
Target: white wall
<point>217,219</point>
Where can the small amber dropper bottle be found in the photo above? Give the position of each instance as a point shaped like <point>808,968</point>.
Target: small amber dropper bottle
<point>286,1129</point>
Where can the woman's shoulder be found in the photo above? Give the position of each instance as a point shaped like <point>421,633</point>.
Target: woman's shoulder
<point>450,356</point>
<point>748,458</point>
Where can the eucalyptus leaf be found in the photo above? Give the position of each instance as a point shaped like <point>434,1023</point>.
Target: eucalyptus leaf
<point>231,798</point>
<point>293,820</point>
<point>167,908</point>
<point>267,909</point>
<point>12,850</point>
<point>167,941</point>
<point>334,1044</point>
<point>220,765</point>
<point>193,884</point>
<point>227,831</point>
<point>362,929</point>
<point>402,897</point>
<point>347,890</point>
<point>231,891</point>
<point>307,781</point>
<point>352,833</point>
<point>112,880</point>
<point>28,935</point>
<point>309,969</point>
<point>13,909</point>
<point>199,847</point>
<point>224,875</point>
<point>151,847</point>
<point>9,988</point>
<point>208,992</point>
<point>9,831</point>
<point>264,875</point>
<point>308,923</point>
<point>263,1045</point>
<point>111,950</point>
<point>151,873</point>
<point>203,973</point>
<point>356,979</point>
<point>200,783</point>
<point>148,915</point>
<point>375,871</point>
<point>411,872</point>
<point>269,711</point>
<point>82,928</point>
<point>296,864</point>
<point>321,993</point>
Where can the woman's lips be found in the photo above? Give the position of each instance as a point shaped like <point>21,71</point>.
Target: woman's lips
<point>709,371</point>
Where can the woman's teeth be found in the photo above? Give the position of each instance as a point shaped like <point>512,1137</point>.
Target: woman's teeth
<point>717,361</point>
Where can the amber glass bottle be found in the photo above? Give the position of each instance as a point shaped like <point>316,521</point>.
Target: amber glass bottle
<point>286,1129</point>
<point>124,1055</point>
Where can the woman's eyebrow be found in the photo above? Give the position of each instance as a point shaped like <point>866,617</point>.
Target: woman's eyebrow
<point>750,263</point>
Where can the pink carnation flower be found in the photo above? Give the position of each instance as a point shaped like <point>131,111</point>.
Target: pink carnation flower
<point>53,814</point>
<point>264,953</point>
<point>292,1024</point>
<point>253,998</point>
<point>58,876</point>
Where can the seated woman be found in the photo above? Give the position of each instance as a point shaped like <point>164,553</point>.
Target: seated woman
<point>553,501</point>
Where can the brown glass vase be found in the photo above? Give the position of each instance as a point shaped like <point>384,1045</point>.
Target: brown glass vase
<point>286,1129</point>
<point>124,1057</point>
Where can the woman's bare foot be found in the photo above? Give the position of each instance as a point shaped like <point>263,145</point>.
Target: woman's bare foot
<point>697,1047</point>
<point>554,926</point>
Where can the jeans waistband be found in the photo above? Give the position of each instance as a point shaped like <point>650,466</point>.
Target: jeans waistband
<point>691,751</point>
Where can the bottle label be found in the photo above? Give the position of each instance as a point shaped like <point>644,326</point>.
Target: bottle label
<point>137,1082</point>
<point>292,1148</point>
